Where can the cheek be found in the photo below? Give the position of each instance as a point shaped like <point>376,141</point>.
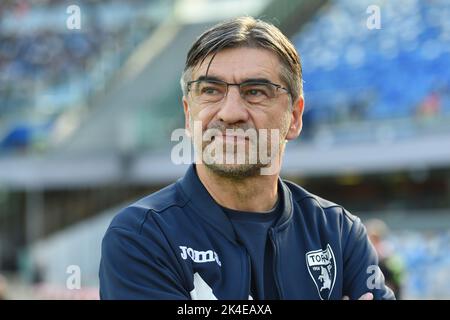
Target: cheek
<point>285,122</point>
<point>270,120</point>
<point>205,115</point>
<point>261,119</point>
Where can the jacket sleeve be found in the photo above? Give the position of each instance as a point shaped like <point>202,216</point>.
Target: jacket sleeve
<point>137,267</point>
<point>361,271</point>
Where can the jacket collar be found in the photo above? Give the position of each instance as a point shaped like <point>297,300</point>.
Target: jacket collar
<point>211,212</point>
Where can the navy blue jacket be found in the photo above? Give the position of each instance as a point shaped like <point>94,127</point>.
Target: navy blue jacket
<point>179,244</point>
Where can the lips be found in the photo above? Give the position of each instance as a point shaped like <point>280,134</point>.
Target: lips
<point>231,138</point>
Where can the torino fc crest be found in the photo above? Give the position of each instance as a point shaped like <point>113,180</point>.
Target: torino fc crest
<point>322,269</point>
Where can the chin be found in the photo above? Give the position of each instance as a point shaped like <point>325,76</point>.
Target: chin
<point>236,171</point>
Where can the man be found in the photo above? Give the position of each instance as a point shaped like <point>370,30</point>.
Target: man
<point>232,229</point>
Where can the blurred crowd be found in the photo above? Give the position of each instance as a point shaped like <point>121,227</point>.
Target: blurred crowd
<point>46,68</point>
<point>44,58</point>
<point>415,264</point>
<point>354,73</point>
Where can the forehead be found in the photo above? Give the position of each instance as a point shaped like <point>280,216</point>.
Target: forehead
<point>238,64</point>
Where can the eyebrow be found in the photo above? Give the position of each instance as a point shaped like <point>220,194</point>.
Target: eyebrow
<point>213,78</point>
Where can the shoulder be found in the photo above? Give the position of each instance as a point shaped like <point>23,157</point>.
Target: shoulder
<point>313,205</point>
<point>328,218</point>
<point>137,214</point>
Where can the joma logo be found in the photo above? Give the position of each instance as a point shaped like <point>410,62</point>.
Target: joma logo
<point>199,256</point>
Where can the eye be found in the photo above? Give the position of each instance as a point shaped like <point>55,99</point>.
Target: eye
<point>209,90</point>
<point>254,92</point>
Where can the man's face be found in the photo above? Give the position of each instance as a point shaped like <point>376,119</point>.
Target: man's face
<point>275,115</point>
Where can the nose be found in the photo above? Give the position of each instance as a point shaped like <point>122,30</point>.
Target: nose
<point>233,109</point>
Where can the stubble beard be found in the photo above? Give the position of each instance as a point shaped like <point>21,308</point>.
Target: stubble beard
<point>236,170</point>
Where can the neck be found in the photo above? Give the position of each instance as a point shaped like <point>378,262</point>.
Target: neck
<point>254,194</point>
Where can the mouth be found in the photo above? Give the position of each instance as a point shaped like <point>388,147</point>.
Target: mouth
<point>226,138</point>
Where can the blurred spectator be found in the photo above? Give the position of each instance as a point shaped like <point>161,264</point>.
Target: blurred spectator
<point>390,264</point>
<point>430,107</point>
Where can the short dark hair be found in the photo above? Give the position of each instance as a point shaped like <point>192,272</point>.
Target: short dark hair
<point>252,33</point>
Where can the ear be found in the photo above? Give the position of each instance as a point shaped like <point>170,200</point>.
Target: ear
<point>296,119</point>
<point>186,117</point>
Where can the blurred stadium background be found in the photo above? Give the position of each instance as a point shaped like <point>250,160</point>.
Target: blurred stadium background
<point>86,118</point>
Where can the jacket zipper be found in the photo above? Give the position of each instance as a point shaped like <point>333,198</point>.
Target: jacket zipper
<point>249,282</point>
<point>247,290</point>
<point>275,265</point>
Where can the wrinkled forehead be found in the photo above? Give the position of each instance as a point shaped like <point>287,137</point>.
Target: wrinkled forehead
<point>239,64</point>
